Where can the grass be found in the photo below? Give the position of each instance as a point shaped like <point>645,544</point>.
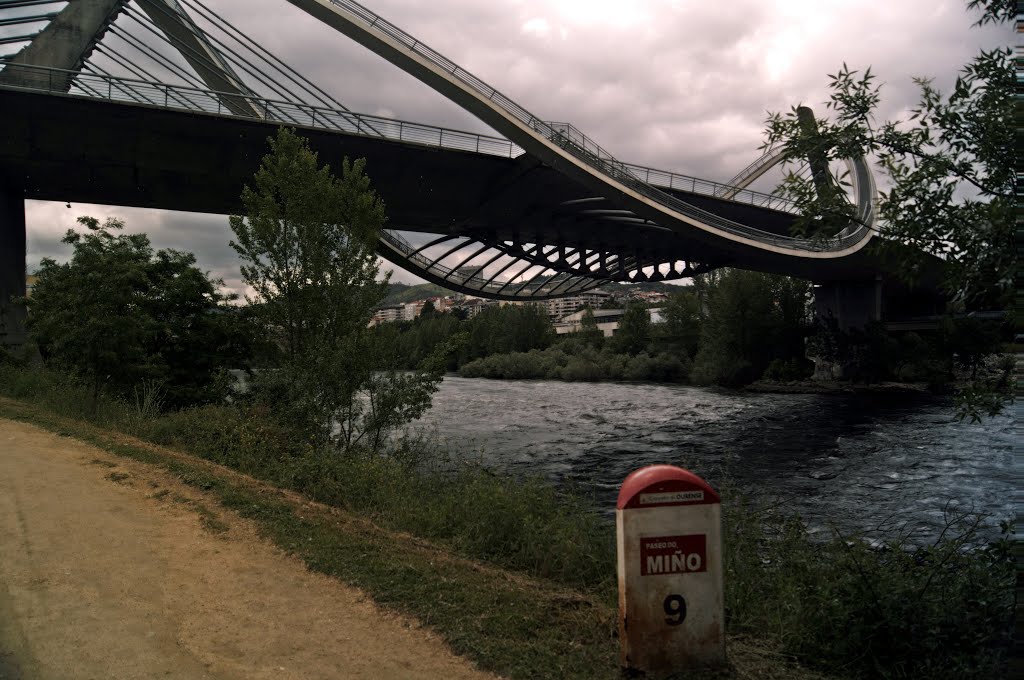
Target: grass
<point>210,521</point>
<point>508,623</point>
<point>520,578</point>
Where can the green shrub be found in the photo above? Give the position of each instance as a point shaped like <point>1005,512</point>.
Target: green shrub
<point>713,368</point>
<point>62,394</point>
<point>666,367</point>
<point>889,610</point>
<point>582,368</point>
<point>575,360</point>
<point>788,369</point>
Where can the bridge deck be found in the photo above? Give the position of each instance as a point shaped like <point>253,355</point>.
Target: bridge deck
<point>74,149</point>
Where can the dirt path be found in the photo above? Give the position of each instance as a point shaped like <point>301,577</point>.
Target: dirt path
<point>112,569</point>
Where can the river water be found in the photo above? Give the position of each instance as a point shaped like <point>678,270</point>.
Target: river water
<point>856,462</point>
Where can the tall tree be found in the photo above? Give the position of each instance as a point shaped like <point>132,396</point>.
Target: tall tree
<point>589,333</point>
<point>119,313</point>
<point>948,166</point>
<point>752,318</point>
<point>307,244</point>
<point>681,330</point>
<point>634,334</point>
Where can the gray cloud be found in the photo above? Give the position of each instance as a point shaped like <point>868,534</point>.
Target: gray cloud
<point>677,84</point>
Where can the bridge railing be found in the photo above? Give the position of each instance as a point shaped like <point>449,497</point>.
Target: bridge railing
<point>672,180</point>
<point>207,101</point>
<point>193,99</point>
<point>580,146</point>
<point>695,185</point>
<point>752,171</point>
<point>468,280</point>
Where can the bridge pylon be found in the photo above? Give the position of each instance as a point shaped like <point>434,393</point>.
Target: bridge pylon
<point>12,268</point>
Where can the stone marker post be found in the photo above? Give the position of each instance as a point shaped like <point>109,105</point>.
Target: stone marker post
<point>671,612</point>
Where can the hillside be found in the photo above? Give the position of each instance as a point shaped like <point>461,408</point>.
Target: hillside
<point>644,287</point>
<point>400,293</point>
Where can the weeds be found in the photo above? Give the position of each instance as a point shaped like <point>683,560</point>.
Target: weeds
<point>147,405</point>
<point>871,610</point>
<point>210,521</point>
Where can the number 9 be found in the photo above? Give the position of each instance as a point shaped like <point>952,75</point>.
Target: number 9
<point>675,607</point>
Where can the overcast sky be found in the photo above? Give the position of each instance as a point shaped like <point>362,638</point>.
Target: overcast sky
<point>677,84</point>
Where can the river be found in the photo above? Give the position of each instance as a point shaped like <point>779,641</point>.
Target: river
<point>856,462</point>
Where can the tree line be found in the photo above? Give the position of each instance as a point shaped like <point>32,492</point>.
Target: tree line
<point>149,327</point>
<point>726,329</point>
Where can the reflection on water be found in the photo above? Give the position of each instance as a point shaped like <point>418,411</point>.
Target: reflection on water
<point>856,461</point>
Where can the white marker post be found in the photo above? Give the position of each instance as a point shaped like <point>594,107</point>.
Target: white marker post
<point>671,612</point>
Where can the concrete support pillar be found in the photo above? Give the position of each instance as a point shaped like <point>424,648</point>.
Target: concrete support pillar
<point>12,267</point>
<point>852,304</point>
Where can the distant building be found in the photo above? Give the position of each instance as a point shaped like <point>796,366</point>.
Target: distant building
<point>474,305</point>
<point>647,296</point>
<point>387,314</point>
<point>607,321</point>
<point>560,307</point>
<point>410,310</point>
<point>30,283</point>
<point>441,304</point>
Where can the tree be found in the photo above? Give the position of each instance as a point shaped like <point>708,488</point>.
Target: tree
<point>527,327</point>
<point>510,328</point>
<point>589,333</point>
<point>307,243</point>
<point>118,314</point>
<point>634,334</point>
<point>681,331</point>
<point>752,319</point>
<point>949,167</point>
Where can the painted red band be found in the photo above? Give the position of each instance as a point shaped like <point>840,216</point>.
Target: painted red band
<point>664,485</point>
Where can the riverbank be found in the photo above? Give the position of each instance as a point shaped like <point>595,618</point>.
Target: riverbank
<point>506,622</point>
<point>835,387</point>
<point>521,577</point>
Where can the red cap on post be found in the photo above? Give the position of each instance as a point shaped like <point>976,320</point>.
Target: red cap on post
<point>660,485</point>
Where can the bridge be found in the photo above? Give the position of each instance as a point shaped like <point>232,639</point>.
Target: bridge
<point>165,104</point>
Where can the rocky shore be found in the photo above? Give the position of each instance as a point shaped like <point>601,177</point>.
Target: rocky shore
<point>834,387</point>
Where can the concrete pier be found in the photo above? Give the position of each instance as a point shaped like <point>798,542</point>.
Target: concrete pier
<point>12,268</point>
<point>852,304</point>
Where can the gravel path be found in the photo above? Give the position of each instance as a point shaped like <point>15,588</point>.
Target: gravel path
<point>113,569</point>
